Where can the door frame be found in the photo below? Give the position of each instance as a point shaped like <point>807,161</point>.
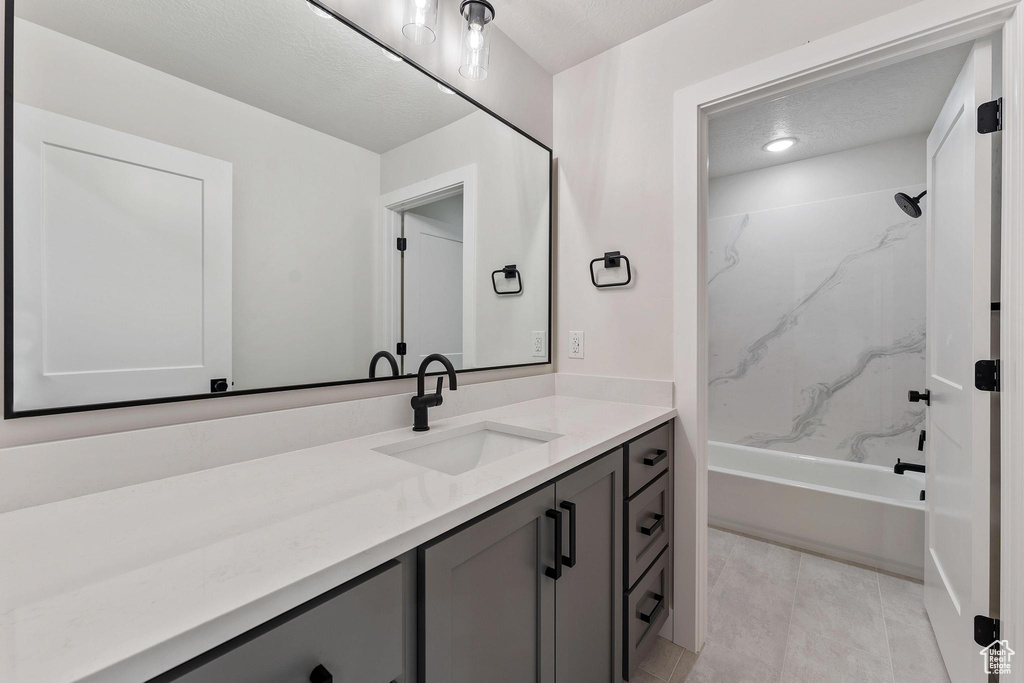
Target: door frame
<point>923,27</point>
<point>391,206</point>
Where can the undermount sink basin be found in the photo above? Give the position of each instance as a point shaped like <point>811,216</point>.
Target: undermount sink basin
<point>462,449</point>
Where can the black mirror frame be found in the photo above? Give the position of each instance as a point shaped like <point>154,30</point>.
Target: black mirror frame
<point>9,410</point>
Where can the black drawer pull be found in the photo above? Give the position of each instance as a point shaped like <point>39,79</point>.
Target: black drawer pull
<point>659,455</point>
<point>570,560</point>
<point>659,521</point>
<point>556,571</point>
<point>321,675</point>
<point>653,614</point>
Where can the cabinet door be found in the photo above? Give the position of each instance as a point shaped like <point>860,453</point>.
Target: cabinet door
<point>588,597</point>
<point>488,603</point>
<point>354,633</point>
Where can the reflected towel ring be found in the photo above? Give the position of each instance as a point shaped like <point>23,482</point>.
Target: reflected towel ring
<point>510,272</point>
<point>612,259</point>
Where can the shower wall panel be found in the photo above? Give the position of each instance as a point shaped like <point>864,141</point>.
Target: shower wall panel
<point>817,328</point>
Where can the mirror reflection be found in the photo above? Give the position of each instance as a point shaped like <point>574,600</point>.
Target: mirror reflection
<point>236,196</point>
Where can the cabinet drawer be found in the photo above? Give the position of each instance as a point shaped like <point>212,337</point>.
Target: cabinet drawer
<point>647,457</point>
<point>646,610</point>
<point>647,527</point>
<point>355,634</point>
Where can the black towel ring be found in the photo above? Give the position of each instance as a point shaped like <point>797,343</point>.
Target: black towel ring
<point>510,272</point>
<point>612,259</point>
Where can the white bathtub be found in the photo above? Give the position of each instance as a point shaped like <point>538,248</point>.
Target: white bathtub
<point>861,513</point>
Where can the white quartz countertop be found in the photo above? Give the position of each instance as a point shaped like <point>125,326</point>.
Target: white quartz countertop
<point>126,584</point>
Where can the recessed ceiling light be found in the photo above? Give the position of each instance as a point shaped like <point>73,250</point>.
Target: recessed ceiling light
<point>780,145</point>
<point>391,55</point>
<point>445,89</point>
<point>319,11</point>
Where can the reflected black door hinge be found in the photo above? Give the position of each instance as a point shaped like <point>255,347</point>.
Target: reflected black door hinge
<point>986,375</point>
<point>986,630</point>
<point>920,440</point>
<point>403,243</point>
<point>990,117</point>
<point>400,349</point>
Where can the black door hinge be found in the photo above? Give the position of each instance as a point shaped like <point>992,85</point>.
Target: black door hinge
<point>986,630</point>
<point>403,243</point>
<point>986,375</point>
<point>400,349</point>
<point>990,117</point>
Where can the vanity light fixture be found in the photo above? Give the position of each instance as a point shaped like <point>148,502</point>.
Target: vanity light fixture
<point>476,45</point>
<point>391,55</point>
<point>445,89</point>
<point>420,21</point>
<point>780,145</point>
<point>318,10</point>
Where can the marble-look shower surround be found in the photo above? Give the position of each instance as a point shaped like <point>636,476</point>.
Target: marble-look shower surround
<point>817,328</point>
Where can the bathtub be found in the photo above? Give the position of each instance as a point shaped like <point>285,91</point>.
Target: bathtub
<point>856,512</point>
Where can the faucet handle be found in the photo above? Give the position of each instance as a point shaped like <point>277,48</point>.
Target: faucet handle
<point>440,384</point>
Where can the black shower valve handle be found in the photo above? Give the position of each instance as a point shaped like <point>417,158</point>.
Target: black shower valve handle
<point>917,396</point>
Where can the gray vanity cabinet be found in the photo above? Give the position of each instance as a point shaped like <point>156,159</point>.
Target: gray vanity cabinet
<point>353,634</point>
<point>488,604</point>
<point>588,597</point>
<point>491,591</point>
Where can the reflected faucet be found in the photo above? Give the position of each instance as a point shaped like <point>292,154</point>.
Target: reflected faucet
<point>391,361</point>
<point>421,401</point>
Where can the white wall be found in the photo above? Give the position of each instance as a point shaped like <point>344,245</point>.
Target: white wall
<point>816,305</point>
<point>302,202</point>
<point>518,90</point>
<point>448,211</point>
<point>893,163</point>
<point>613,142</point>
<point>512,220</point>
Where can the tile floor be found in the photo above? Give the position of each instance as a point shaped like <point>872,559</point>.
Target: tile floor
<point>777,614</point>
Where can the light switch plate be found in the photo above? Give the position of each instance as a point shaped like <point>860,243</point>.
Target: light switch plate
<point>540,349</point>
<point>575,344</point>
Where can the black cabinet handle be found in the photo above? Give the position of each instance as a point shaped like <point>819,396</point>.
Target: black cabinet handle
<point>556,571</point>
<point>659,455</point>
<point>570,560</point>
<point>659,521</point>
<point>649,617</point>
<point>321,675</point>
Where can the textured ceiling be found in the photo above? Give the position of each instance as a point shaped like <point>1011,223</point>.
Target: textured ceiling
<point>892,102</point>
<point>559,34</point>
<point>272,54</point>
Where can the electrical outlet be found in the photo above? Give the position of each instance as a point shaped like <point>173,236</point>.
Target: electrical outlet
<point>575,344</point>
<point>540,349</point>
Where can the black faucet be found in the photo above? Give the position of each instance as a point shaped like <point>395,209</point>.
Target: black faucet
<point>391,361</point>
<point>420,402</point>
<point>902,467</point>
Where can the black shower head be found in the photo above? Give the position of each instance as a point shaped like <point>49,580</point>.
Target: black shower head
<point>910,205</point>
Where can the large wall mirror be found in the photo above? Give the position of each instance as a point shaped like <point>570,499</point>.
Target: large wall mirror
<point>209,198</point>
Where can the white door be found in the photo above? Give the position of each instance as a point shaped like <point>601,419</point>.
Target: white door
<point>959,220</point>
<point>122,265</point>
<point>433,291</point>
